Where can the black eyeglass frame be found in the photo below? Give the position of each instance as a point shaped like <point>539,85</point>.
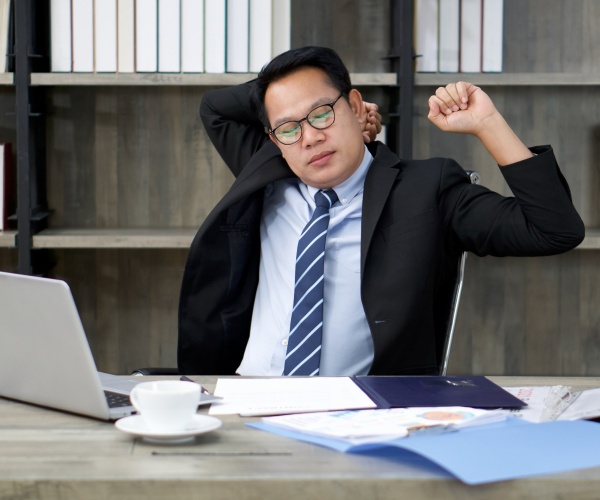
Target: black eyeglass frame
<point>299,122</point>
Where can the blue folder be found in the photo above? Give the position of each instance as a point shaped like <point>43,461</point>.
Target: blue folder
<point>495,452</point>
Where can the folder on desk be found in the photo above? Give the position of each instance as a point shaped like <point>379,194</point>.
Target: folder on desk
<point>427,391</point>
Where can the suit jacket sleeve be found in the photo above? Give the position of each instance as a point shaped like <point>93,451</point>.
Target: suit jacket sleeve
<point>232,124</point>
<point>539,220</point>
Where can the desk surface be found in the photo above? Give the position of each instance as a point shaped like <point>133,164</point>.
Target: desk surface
<point>45,454</point>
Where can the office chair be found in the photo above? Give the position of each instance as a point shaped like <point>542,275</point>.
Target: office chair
<point>443,347</point>
<point>455,301</point>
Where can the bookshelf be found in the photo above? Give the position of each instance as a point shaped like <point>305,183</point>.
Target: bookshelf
<point>129,175</point>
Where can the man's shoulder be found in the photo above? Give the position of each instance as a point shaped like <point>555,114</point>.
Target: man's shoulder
<point>386,158</point>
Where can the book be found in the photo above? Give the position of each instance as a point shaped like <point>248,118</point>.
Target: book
<point>7,184</point>
<point>261,33</point>
<point>126,36</point>
<point>83,35</point>
<point>214,36</point>
<point>105,33</point>
<point>5,15</point>
<point>192,36</point>
<point>169,36</point>
<point>238,25</point>
<point>449,34</point>
<point>282,26</point>
<point>470,36</point>
<point>146,36</point>
<point>493,27</point>
<point>426,35</point>
<point>60,36</point>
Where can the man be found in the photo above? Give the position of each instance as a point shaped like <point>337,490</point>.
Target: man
<point>395,230</point>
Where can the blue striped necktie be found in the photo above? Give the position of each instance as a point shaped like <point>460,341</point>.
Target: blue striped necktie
<point>306,327</point>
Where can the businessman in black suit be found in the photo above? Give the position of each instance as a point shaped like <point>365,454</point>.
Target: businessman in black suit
<point>395,232</point>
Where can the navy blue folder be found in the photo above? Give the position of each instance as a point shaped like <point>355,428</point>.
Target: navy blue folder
<point>428,391</point>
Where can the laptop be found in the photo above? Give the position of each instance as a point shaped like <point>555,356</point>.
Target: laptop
<point>45,358</point>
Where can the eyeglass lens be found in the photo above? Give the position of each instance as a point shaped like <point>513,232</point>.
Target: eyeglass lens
<point>319,118</point>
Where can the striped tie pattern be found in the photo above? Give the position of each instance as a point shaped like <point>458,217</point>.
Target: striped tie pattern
<point>306,327</point>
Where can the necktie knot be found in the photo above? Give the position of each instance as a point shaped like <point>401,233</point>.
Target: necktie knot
<point>326,198</point>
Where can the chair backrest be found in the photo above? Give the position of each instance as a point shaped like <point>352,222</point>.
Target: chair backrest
<point>445,354</point>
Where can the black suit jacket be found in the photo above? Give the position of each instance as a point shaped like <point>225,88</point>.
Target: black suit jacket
<point>418,216</point>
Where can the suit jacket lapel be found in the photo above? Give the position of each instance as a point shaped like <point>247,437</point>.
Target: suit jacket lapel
<point>266,166</point>
<point>378,184</point>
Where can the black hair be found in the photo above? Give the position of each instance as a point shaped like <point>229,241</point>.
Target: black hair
<point>286,63</point>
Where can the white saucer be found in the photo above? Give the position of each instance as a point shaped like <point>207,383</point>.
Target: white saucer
<point>136,426</point>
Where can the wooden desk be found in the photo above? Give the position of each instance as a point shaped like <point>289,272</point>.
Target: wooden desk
<point>50,455</point>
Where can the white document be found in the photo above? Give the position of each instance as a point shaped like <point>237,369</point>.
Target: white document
<point>215,20</point>
<point>282,26</point>
<point>584,404</point>
<point>544,403</point>
<point>126,36</point>
<point>370,426</point>
<point>426,35</point>
<point>146,36</point>
<point>261,33</point>
<point>238,25</point>
<point>470,36</point>
<point>192,36</point>
<point>169,36</point>
<point>493,13</point>
<point>282,395</point>
<point>105,32</point>
<point>83,36</point>
<point>60,35</point>
<point>449,36</point>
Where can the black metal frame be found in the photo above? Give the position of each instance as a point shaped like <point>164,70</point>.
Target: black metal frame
<point>32,210</point>
<point>402,58</point>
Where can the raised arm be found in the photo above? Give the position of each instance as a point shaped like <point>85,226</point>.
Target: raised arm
<point>464,108</point>
<point>232,124</point>
<point>234,128</point>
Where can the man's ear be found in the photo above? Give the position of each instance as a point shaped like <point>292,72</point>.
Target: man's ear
<point>356,103</point>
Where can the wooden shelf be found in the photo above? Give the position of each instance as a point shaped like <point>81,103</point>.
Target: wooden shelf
<point>179,79</point>
<point>508,79</point>
<point>115,238</point>
<point>7,78</point>
<point>7,239</point>
<point>591,241</point>
<point>154,238</point>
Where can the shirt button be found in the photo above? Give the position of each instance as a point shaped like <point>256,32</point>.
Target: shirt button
<point>284,342</point>
<point>344,200</point>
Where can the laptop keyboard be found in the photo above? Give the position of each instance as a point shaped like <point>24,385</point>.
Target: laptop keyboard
<point>116,400</point>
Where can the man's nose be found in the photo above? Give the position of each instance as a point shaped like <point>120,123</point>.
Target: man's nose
<point>311,135</point>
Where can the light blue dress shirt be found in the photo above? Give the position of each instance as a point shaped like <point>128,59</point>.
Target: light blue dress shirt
<point>347,347</point>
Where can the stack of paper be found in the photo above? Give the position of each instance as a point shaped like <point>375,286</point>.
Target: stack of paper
<point>372,426</point>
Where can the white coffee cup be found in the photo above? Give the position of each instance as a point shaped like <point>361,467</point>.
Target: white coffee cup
<point>166,405</point>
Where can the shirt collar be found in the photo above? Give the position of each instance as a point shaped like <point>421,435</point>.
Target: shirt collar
<point>352,186</point>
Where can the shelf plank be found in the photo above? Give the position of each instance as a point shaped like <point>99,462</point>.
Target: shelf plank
<point>155,238</point>
<point>179,79</point>
<point>7,78</point>
<point>115,238</point>
<point>508,79</point>
<point>7,239</point>
<point>591,241</point>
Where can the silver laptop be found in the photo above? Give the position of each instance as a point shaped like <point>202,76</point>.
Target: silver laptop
<point>45,358</point>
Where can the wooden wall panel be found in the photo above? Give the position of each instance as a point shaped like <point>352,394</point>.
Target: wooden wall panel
<point>529,316</point>
<point>139,157</point>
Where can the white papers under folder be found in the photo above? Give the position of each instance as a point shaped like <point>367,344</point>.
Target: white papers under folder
<point>282,395</point>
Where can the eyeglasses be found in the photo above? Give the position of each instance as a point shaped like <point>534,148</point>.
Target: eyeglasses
<point>321,117</point>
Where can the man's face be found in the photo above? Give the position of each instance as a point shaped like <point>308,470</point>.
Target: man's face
<point>321,158</point>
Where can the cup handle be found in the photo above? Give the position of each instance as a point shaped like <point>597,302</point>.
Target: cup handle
<point>134,399</point>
